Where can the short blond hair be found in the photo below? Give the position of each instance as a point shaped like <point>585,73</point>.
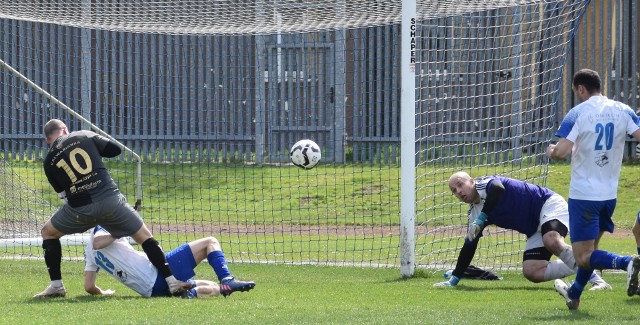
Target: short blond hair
<point>52,126</point>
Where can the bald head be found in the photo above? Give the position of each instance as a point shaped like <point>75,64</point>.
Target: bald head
<point>54,129</point>
<point>459,176</point>
<point>463,186</point>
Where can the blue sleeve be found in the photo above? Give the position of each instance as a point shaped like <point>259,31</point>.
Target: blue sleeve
<point>634,117</point>
<point>567,124</point>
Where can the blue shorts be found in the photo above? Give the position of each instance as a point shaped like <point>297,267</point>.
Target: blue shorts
<point>588,218</point>
<point>182,264</point>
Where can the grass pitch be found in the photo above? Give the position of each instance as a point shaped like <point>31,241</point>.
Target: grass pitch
<point>287,294</point>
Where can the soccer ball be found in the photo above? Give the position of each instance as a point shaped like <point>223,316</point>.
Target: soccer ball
<point>305,154</point>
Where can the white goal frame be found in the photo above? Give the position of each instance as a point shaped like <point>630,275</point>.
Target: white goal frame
<point>345,56</point>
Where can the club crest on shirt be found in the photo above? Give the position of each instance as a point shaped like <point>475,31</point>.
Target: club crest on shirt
<point>122,275</point>
<point>602,159</point>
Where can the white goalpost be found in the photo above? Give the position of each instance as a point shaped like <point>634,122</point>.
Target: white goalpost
<point>408,137</point>
<point>207,98</point>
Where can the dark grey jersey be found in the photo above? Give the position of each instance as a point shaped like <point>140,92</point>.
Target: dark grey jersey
<point>74,165</point>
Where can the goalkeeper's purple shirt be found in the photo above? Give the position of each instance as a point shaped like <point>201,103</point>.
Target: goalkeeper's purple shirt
<point>518,208</point>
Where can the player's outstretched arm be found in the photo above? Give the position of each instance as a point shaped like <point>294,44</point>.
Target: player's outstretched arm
<point>495,191</point>
<point>102,240</point>
<point>91,287</point>
<point>476,227</point>
<point>464,260</point>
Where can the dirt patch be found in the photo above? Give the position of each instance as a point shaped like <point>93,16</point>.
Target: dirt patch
<point>21,229</point>
<point>373,189</point>
<point>307,230</point>
<point>305,201</point>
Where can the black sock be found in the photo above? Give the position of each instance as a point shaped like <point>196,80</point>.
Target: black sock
<point>155,254</point>
<point>53,257</point>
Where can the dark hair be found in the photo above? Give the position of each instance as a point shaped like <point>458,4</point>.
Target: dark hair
<point>589,79</point>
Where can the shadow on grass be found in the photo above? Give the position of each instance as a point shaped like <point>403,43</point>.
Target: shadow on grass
<point>570,316</point>
<point>584,314</point>
<point>473,285</point>
<point>78,299</point>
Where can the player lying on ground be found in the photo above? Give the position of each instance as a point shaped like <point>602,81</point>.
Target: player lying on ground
<point>131,267</point>
<point>532,210</point>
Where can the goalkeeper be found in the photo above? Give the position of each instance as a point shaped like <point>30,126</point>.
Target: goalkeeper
<point>132,267</point>
<point>535,211</point>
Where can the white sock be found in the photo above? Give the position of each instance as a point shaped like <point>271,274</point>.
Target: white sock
<point>56,283</point>
<point>567,257</point>
<point>595,278</point>
<point>557,270</point>
<point>171,279</point>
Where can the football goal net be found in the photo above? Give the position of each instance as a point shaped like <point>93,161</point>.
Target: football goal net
<point>208,97</point>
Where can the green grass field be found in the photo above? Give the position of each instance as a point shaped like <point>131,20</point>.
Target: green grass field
<point>313,295</point>
<point>287,294</point>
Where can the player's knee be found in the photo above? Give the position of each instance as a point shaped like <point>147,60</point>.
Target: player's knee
<point>636,227</point>
<point>49,232</point>
<point>213,243</point>
<point>45,230</point>
<point>636,231</point>
<point>530,275</point>
<point>582,261</point>
<point>553,233</point>
<point>533,261</point>
<point>554,225</point>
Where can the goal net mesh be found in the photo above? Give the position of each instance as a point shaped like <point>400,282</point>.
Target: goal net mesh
<point>212,94</point>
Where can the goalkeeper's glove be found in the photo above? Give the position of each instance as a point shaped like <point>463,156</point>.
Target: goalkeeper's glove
<point>476,227</point>
<point>453,281</point>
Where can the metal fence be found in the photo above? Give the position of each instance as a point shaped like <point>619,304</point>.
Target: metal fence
<point>608,41</point>
<point>248,98</point>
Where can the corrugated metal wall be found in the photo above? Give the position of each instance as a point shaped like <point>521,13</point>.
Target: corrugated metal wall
<point>248,98</point>
<point>608,41</point>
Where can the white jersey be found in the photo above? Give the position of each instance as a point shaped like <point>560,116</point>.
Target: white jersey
<point>123,262</point>
<point>598,127</point>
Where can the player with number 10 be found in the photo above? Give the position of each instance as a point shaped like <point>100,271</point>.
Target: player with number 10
<point>76,172</point>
